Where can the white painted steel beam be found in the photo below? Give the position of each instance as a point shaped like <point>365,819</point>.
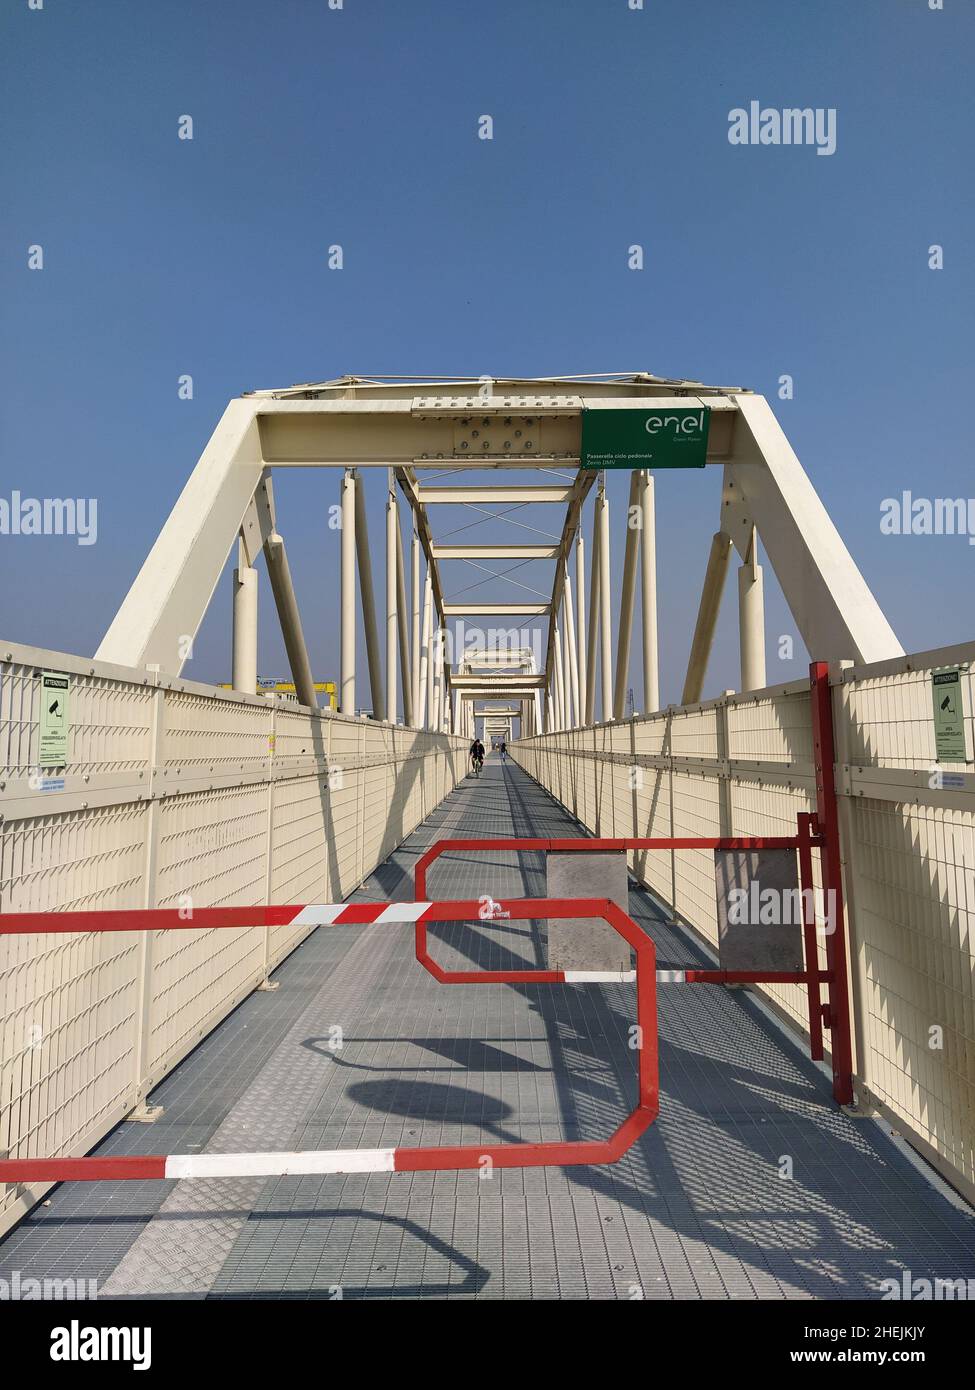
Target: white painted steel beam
<point>430,494</point>
<point>426,675</point>
<point>626,598</point>
<point>605,610</point>
<point>495,552</point>
<point>392,610</point>
<point>751,619</point>
<point>765,486</point>
<point>348,624</point>
<point>648,577</point>
<point>162,612</point>
<point>707,617</point>
<point>368,602</point>
<point>581,620</point>
<point>570,640</point>
<point>525,610</point>
<point>593,633</point>
<point>403,622</point>
<point>501,680</point>
<point>244,675</point>
<point>417,719</point>
<point>282,589</point>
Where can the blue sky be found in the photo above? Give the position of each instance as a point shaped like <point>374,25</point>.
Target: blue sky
<point>359,126</point>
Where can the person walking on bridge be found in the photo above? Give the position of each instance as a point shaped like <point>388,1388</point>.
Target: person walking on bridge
<point>503,750</point>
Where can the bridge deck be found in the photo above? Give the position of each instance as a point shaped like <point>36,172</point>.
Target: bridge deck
<point>696,1209</point>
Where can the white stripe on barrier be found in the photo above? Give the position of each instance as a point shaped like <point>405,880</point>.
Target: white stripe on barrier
<point>327,914</point>
<point>599,977</point>
<point>271,1165</point>
<point>621,977</point>
<point>403,912</point>
<point>317,915</point>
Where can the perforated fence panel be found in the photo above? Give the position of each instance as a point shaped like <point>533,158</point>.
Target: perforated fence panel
<point>743,765</point>
<point>173,794</point>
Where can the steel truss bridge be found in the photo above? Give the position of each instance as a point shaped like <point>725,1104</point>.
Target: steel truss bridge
<point>302,1006</point>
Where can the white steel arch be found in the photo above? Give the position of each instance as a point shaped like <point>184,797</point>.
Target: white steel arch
<point>518,441</point>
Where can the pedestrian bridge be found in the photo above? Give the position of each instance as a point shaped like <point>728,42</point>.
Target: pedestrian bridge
<point>264,1034</point>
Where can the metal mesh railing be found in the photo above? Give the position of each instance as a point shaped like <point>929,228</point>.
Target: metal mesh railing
<point>173,793</point>
<point>743,765</point>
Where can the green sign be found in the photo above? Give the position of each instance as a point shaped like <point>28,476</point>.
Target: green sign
<point>949,718</point>
<point>53,749</point>
<point>645,438</point>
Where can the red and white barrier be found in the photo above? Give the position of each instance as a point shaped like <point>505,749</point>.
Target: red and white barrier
<point>557,1153</point>
<point>807,837</point>
<point>819,831</point>
<point>195,918</point>
<point>322,1162</point>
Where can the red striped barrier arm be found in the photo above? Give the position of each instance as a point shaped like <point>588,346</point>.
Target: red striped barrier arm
<point>803,841</point>
<point>557,1153</point>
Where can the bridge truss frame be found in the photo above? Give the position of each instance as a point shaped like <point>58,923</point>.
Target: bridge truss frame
<point>423,429</point>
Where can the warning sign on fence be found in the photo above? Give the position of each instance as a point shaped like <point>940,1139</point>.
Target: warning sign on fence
<point>53,724</point>
<point>949,716</point>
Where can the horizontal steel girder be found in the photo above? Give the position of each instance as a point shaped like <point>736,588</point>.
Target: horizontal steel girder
<point>523,610</point>
<point>495,552</point>
<point>429,493</point>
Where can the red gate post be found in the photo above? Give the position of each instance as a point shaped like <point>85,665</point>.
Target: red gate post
<point>827,825</point>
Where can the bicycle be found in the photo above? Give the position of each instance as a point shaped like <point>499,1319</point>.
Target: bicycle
<point>477,764</point>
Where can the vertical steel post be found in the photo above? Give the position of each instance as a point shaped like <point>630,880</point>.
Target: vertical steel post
<point>581,620</point>
<point>570,640</point>
<point>751,619</point>
<point>559,682</point>
<point>707,617</point>
<point>634,518</point>
<point>567,698</point>
<point>368,604</point>
<point>436,716</point>
<point>648,574</point>
<point>347,670</point>
<point>403,625</point>
<point>605,609</point>
<point>392,612</point>
<point>245,625</point>
<point>145,974</point>
<point>425,702</point>
<point>593,621</point>
<point>279,573</point>
<point>417,719</point>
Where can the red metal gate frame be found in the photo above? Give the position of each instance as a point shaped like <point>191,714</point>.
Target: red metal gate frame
<point>558,1153</point>
<point>819,831</point>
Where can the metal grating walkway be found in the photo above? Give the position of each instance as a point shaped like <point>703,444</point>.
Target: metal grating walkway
<point>697,1209</point>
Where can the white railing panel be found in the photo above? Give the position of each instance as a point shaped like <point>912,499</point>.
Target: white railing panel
<point>175,794</point>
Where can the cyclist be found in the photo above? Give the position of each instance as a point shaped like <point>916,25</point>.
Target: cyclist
<point>477,756</point>
<point>503,749</point>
